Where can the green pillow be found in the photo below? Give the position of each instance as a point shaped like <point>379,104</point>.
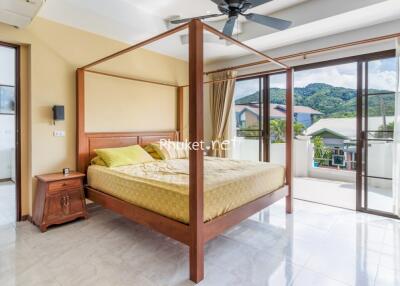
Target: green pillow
<point>97,161</point>
<point>153,152</point>
<point>114,157</point>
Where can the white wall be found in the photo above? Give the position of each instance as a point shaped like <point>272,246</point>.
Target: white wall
<point>7,146</point>
<point>278,153</point>
<point>245,149</point>
<point>380,158</point>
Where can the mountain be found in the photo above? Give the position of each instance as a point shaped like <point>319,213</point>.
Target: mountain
<point>330,100</point>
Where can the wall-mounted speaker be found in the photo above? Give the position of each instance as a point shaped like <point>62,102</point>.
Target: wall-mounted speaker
<point>58,112</point>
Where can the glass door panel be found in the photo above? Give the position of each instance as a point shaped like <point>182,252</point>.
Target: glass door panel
<point>277,118</point>
<point>248,120</point>
<point>378,101</point>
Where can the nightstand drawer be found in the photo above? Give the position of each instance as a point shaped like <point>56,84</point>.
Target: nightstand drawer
<point>65,184</point>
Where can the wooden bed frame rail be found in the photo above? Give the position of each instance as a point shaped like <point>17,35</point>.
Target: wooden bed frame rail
<point>196,233</point>
<point>178,230</point>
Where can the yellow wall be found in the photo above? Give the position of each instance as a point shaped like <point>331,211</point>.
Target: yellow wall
<point>51,53</point>
<point>113,104</point>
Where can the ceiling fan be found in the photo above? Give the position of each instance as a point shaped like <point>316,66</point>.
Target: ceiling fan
<point>234,8</point>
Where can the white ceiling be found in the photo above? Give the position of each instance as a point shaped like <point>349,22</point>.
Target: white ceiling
<point>132,21</point>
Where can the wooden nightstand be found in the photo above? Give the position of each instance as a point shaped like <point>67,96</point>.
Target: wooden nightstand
<point>59,199</point>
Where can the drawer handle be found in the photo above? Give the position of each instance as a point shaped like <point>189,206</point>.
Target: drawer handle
<point>65,204</point>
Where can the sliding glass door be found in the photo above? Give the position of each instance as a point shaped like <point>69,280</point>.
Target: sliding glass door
<point>344,126</point>
<point>377,125</point>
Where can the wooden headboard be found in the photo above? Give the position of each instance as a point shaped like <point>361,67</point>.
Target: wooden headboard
<point>94,141</point>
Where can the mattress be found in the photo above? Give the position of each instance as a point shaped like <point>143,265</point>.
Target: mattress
<point>163,186</point>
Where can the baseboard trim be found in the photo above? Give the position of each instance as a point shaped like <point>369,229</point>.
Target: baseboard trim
<point>26,218</point>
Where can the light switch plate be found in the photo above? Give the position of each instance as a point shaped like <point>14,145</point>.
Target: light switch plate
<point>59,133</point>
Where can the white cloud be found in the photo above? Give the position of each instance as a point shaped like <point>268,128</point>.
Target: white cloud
<point>246,87</point>
<point>341,76</point>
<point>382,75</point>
<point>383,80</point>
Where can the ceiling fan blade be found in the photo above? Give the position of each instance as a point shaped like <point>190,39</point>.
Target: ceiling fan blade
<point>180,21</point>
<point>255,3</point>
<point>229,25</point>
<point>219,2</point>
<point>272,22</point>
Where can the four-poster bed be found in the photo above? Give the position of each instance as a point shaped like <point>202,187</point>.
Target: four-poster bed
<point>197,232</point>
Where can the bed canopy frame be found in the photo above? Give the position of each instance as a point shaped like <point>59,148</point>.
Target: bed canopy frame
<point>197,232</point>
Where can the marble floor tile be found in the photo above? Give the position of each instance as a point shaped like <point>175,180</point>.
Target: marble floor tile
<point>7,203</point>
<point>387,277</point>
<point>316,245</point>
<point>308,278</point>
<point>340,260</point>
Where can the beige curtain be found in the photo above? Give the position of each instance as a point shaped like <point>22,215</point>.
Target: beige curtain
<point>221,98</point>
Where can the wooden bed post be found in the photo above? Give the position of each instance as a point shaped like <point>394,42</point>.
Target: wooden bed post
<point>179,111</point>
<point>196,156</point>
<point>81,146</point>
<point>289,139</point>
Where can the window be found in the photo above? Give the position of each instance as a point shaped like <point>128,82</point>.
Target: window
<point>248,119</point>
<point>7,80</point>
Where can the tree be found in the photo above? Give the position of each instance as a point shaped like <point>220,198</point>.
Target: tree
<point>278,130</point>
<point>385,131</point>
<point>298,128</point>
<point>322,154</point>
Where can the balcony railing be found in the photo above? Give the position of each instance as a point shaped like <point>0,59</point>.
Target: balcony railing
<point>330,164</point>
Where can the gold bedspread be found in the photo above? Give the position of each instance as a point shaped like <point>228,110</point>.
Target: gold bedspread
<point>162,186</point>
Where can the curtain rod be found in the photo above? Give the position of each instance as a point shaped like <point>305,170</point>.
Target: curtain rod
<point>243,76</point>
<point>311,52</point>
<point>132,78</point>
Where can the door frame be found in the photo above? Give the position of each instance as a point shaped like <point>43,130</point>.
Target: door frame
<point>362,140</point>
<point>18,214</point>
<point>359,60</point>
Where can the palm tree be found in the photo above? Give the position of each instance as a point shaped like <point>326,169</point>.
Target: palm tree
<point>278,130</point>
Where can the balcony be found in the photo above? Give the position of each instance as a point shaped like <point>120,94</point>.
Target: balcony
<point>324,183</point>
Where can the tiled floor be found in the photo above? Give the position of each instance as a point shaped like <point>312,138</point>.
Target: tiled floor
<point>7,203</point>
<point>341,194</point>
<point>317,245</point>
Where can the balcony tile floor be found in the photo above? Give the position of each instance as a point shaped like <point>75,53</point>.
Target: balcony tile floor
<point>340,194</point>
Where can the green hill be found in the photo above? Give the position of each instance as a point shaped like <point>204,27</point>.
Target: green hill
<point>330,100</point>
